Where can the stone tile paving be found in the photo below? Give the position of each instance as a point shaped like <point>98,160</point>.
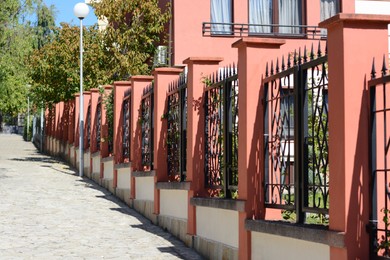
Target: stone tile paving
<point>47,212</point>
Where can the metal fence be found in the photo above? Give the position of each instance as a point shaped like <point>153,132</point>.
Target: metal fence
<point>221,133</point>
<point>147,126</point>
<point>380,163</point>
<point>296,137</point>
<point>98,123</point>
<point>89,126</point>
<point>265,30</point>
<point>177,129</point>
<point>126,125</point>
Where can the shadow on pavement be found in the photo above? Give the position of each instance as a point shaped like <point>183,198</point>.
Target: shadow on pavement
<point>145,225</point>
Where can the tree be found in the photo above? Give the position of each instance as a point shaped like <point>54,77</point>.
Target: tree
<point>134,29</point>
<point>54,68</point>
<point>16,39</point>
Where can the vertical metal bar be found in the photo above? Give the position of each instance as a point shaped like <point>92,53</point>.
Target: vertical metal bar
<point>152,129</point>
<point>206,137</point>
<point>183,135</point>
<point>385,160</point>
<point>265,141</point>
<point>226,139</point>
<point>373,157</point>
<point>298,141</point>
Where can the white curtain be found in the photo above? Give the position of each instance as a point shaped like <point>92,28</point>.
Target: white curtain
<point>221,12</point>
<point>290,13</point>
<point>260,12</point>
<point>329,8</point>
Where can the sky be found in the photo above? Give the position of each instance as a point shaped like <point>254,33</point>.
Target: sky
<point>64,12</point>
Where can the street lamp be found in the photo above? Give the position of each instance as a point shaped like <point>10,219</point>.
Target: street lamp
<point>81,10</point>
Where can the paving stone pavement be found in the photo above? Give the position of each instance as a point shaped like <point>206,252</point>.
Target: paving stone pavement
<point>48,212</point>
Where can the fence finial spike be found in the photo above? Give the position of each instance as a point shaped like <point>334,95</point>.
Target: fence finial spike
<point>295,57</point>
<point>283,65</point>
<point>312,52</point>
<point>277,65</point>
<point>299,56</point>
<point>289,60</point>
<point>266,70</point>
<point>272,67</point>
<point>384,68</point>
<point>373,69</point>
<point>304,54</point>
<point>319,53</point>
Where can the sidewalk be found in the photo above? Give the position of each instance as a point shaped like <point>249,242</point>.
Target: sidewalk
<point>48,212</point>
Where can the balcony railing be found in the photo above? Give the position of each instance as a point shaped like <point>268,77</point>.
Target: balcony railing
<point>263,30</point>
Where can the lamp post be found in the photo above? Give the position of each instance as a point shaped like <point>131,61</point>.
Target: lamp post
<point>81,10</point>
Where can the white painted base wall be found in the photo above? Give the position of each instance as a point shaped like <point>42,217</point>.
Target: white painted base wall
<point>266,246</point>
<point>174,203</point>
<point>144,188</point>
<point>71,155</point>
<point>220,225</point>
<point>124,178</point>
<point>77,150</point>
<point>96,164</point>
<point>108,170</point>
<point>87,157</point>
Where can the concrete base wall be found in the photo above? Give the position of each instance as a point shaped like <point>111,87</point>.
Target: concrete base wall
<point>177,227</point>
<point>146,208</point>
<point>96,178</point>
<point>124,195</point>
<point>210,249</point>
<point>87,166</point>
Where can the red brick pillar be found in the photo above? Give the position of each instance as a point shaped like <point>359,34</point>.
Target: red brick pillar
<point>65,122</point>
<point>198,68</point>
<point>120,88</point>
<point>162,78</point>
<point>138,84</point>
<point>253,54</point>
<point>353,41</point>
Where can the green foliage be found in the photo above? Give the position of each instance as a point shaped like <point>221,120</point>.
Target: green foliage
<point>55,69</point>
<point>134,30</point>
<point>108,102</point>
<point>16,42</point>
<point>384,242</point>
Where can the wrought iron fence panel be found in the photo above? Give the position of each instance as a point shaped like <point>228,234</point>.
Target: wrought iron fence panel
<point>296,138</point>
<point>126,126</point>
<point>316,160</point>
<point>177,128</point>
<point>279,135</point>
<point>221,133</point>
<point>98,125</point>
<point>147,127</point>
<point>380,163</point>
<point>89,126</point>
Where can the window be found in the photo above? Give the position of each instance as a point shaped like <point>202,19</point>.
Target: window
<point>221,16</point>
<point>329,8</point>
<point>285,13</point>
